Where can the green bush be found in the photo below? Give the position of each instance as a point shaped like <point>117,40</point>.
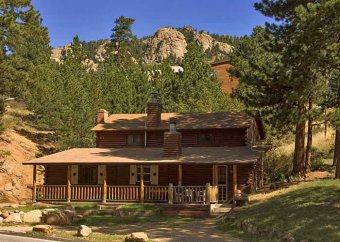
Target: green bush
<point>317,160</point>
<point>277,164</point>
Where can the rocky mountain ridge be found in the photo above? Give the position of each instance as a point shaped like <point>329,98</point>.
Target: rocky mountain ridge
<point>167,42</point>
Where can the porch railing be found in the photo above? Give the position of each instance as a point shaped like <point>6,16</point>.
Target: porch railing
<point>156,193</point>
<point>86,192</point>
<point>51,192</point>
<point>189,194</point>
<point>126,193</point>
<point>123,193</point>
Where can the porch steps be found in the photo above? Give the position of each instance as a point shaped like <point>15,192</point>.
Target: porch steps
<point>218,209</point>
<point>186,210</point>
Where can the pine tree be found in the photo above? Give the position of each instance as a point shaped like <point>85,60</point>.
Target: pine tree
<point>24,45</point>
<point>123,47</point>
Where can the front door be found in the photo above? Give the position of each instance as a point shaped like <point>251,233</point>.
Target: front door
<point>222,182</point>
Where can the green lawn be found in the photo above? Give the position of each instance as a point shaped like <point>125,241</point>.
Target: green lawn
<point>309,211</point>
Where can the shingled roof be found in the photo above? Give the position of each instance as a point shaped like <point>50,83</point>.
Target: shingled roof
<point>185,121</point>
<point>194,155</point>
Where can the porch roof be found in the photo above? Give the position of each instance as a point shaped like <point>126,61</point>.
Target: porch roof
<point>195,155</point>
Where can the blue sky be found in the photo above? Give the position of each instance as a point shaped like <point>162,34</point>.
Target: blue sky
<point>94,19</point>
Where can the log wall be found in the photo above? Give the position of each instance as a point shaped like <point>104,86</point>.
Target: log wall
<point>190,138</point>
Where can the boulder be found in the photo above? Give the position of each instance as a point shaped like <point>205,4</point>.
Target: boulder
<point>4,214</point>
<point>33,216</point>
<point>70,214</point>
<point>56,218</point>
<point>288,237</point>
<point>137,237</point>
<point>42,228</point>
<point>13,218</point>
<point>84,231</point>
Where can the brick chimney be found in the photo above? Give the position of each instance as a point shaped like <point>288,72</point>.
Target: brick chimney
<point>172,141</point>
<point>102,116</point>
<point>154,111</point>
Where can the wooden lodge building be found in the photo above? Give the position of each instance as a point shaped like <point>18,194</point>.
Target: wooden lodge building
<point>158,157</point>
<point>228,82</point>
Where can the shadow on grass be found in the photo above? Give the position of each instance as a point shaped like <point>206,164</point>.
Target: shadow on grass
<point>312,212</point>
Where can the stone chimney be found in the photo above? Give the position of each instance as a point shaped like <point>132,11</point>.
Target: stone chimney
<point>172,141</point>
<point>154,111</point>
<point>102,116</point>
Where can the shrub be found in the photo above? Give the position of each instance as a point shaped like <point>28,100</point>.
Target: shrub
<point>277,164</point>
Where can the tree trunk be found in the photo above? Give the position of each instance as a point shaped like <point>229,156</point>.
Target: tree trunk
<point>299,151</point>
<point>308,163</point>
<point>336,147</point>
<point>336,160</point>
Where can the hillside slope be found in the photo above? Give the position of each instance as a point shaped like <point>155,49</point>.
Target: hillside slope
<point>20,142</point>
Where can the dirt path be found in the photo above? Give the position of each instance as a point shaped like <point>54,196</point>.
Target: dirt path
<point>202,230</point>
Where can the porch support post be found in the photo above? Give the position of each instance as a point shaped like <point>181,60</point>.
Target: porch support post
<point>34,194</point>
<point>215,175</point>
<point>68,191</point>
<point>235,178</point>
<point>180,174</point>
<point>104,196</point>
<point>171,194</point>
<point>141,184</point>
<point>207,193</point>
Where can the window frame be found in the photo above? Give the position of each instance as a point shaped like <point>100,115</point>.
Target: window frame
<point>138,173</point>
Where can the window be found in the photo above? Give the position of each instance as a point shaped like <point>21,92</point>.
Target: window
<point>205,139</point>
<point>88,175</point>
<point>134,139</point>
<point>222,175</point>
<point>146,174</point>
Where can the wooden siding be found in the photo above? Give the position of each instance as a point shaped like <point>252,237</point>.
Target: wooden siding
<point>190,138</point>
<point>118,174</point>
<point>228,83</point>
<point>117,139</point>
<point>167,174</point>
<point>56,175</point>
<point>155,138</point>
<point>197,175</point>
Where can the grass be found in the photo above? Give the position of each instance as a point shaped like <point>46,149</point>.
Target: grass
<point>72,236</point>
<point>101,218</point>
<point>309,211</point>
<point>137,207</point>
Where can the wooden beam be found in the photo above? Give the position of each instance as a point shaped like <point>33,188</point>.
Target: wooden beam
<point>215,175</point>
<point>104,186</point>
<point>141,184</point>
<point>207,193</point>
<point>34,194</point>
<point>180,174</point>
<point>68,195</point>
<point>235,178</point>
<point>171,194</point>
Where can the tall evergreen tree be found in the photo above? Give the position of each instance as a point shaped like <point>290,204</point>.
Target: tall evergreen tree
<point>24,46</point>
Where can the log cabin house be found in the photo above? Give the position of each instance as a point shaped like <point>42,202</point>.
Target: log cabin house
<point>174,158</point>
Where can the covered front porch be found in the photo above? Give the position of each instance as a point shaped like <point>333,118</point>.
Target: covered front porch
<point>104,178</point>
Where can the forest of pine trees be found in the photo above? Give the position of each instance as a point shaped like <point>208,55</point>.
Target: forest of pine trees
<point>288,70</point>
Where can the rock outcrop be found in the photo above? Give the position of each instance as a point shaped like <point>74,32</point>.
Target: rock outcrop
<point>166,42</point>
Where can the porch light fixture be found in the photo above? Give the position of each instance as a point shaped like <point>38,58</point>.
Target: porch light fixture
<point>173,122</point>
